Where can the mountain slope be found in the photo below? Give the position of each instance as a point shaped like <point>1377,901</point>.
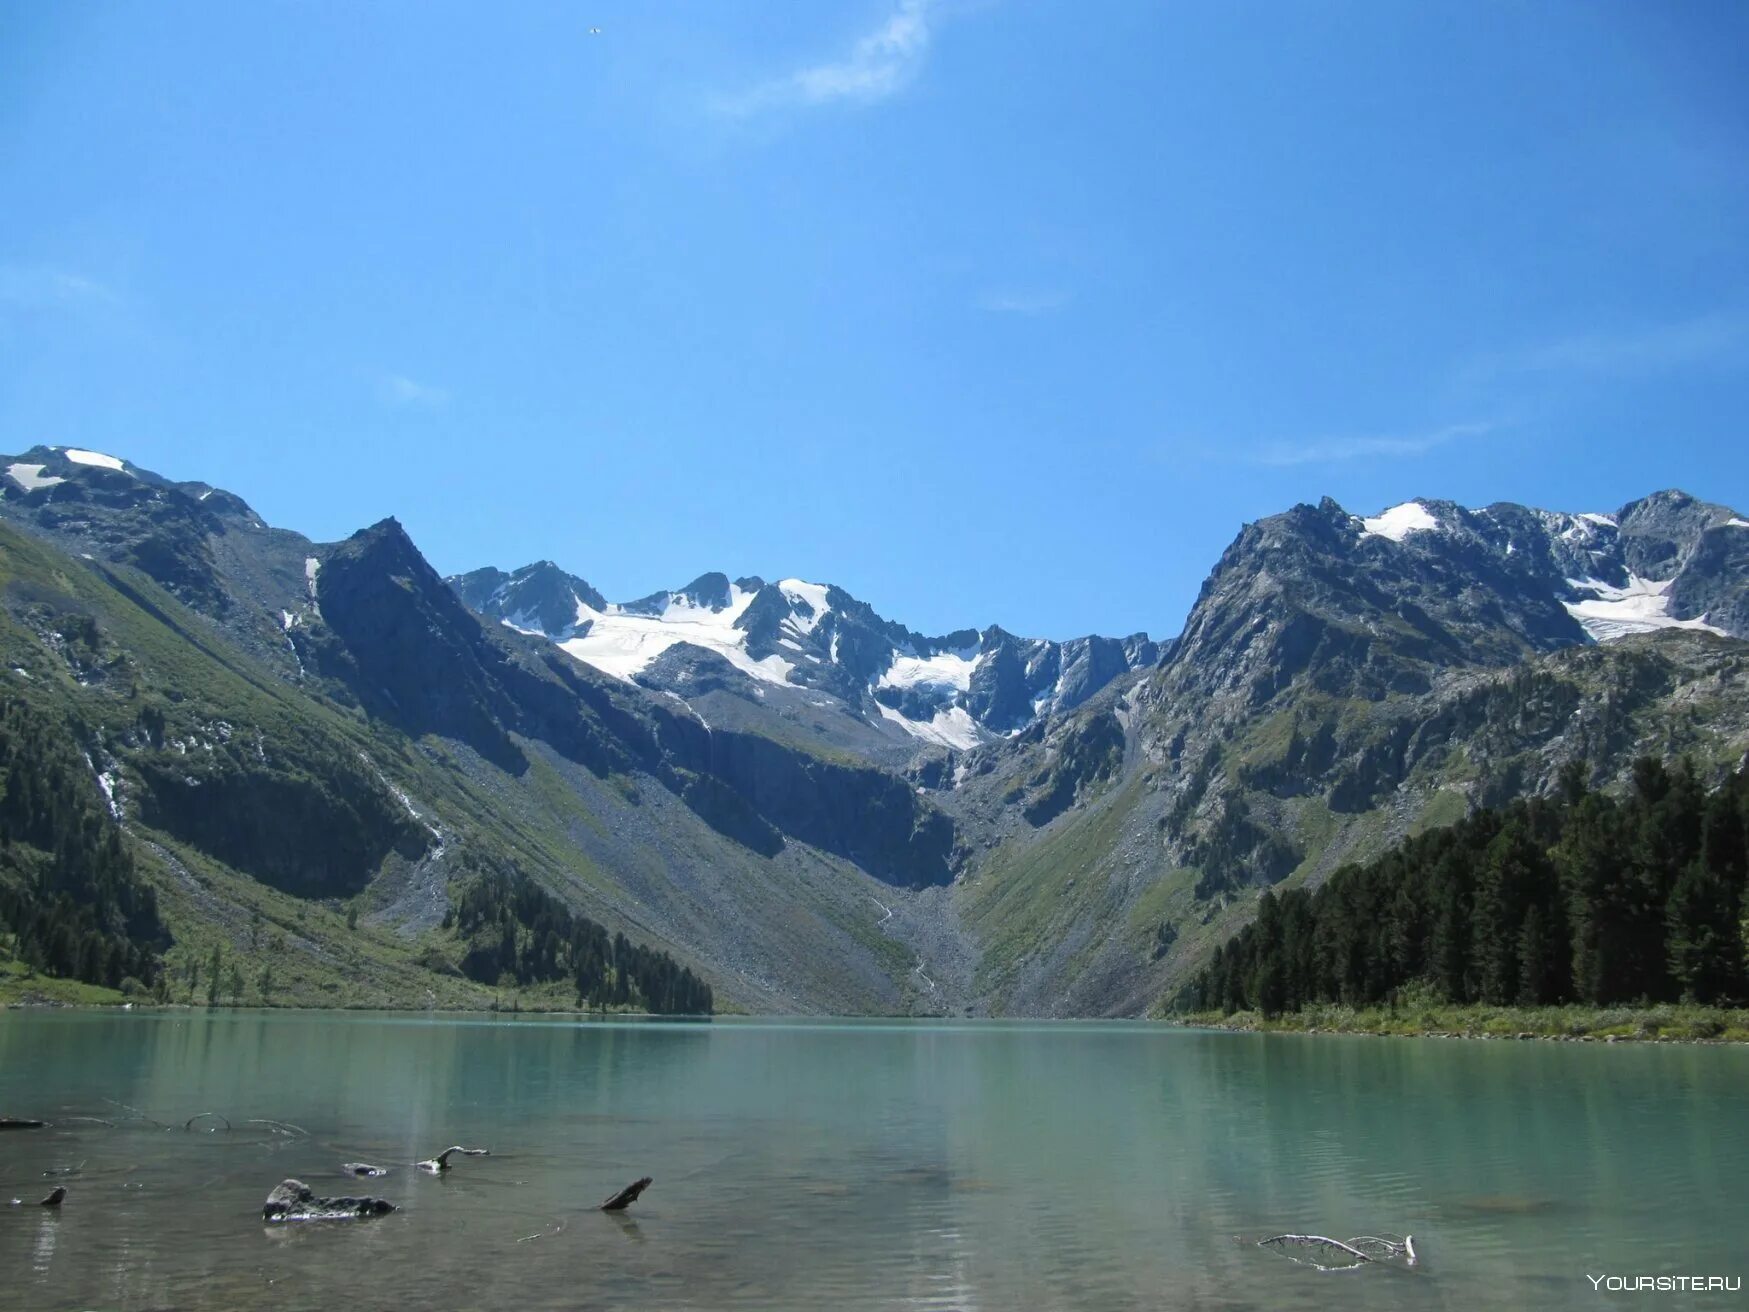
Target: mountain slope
<point>390,733</point>
<point>1342,682</point>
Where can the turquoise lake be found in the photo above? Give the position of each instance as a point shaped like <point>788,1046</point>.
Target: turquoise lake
<point>848,1165</point>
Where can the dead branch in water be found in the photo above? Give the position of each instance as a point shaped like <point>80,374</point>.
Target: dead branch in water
<point>441,1161</point>
<point>1364,1250</point>
<point>627,1196</point>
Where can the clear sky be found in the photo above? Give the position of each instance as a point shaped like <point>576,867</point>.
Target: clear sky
<point>998,311</point>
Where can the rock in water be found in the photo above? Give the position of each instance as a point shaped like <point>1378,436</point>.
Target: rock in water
<point>292,1200</point>
<point>364,1169</point>
<point>55,1196</point>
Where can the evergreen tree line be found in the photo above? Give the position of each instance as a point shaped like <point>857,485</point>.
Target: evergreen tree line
<point>519,931</point>
<point>69,894</point>
<point>1575,898</point>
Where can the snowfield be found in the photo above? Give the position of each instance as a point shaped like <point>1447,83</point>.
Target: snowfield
<point>949,669</point>
<point>1638,608</point>
<point>952,726</point>
<point>31,477</point>
<point>97,458</point>
<point>623,644</point>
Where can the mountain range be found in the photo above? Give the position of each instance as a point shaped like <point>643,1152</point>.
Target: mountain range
<point>316,753</point>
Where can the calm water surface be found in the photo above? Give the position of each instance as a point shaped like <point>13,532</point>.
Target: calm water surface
<point>857,1165</point>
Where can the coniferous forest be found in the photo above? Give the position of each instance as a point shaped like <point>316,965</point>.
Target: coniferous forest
<point>521,933</point>
<point>1578,898</point>
<point>69,895</point>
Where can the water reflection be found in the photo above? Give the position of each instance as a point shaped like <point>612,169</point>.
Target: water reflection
<point>854,1165</point>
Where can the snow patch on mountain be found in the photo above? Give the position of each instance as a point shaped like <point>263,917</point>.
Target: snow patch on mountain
<point>1400,521</point>
<point>948,669</point>
<point>808,601</point>
<point>97,458</point>
<point>623,642</point>
<point>31,477</point>
<point>952,726</point>
<point>1640,607</point>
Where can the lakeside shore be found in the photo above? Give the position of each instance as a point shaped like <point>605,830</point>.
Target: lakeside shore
<point>1668,1023</point>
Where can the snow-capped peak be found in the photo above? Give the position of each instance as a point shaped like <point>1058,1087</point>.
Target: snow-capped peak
<point>1400,521</point>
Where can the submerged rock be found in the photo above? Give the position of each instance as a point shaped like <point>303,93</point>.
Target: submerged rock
<point>19,1123</point>
<point>53,1200</point>
<point>364,1169</point>
<point>293,1200</point>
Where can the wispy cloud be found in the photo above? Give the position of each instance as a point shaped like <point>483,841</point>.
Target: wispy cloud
<point>43,287</point>
<point>403,393</point>
<point>1023,302</point>
<point>1378,447</point>
<point>882,63</point>
<point>1652,348</point>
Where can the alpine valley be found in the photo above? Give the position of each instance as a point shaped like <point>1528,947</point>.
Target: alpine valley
<point>326,775</point>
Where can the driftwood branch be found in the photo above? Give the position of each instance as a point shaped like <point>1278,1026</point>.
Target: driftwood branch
<point>441,1161</point>
<point>627,1196</point>
<point>1363,1250</point>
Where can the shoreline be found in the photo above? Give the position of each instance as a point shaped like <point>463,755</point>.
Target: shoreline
<point>1669,1023</point>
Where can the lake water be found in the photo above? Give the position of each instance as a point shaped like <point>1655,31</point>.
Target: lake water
<point>856,1165</point>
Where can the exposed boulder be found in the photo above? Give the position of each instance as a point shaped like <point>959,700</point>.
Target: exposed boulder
<point>293,1200</point>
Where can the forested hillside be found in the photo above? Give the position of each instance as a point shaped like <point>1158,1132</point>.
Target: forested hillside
<point>70,897</point>
<point>520,933</point>
<point>1577,898</point>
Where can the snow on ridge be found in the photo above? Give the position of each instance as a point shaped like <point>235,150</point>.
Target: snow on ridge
<point>809,595</point>
<point>1400,521</point>
<point>31,477</point>
<point>948,669</point>
<point>1642,606</point>
<point>1595,518</point>
<point>97,458</point>
<point>952,726</point>
<point>622,643</point>
<point>1734,522</point>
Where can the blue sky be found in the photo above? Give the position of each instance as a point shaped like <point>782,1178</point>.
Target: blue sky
<point>990,311</point>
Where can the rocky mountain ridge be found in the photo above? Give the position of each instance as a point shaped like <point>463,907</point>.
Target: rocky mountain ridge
<point>811,806</point>
<point>954,690</point>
